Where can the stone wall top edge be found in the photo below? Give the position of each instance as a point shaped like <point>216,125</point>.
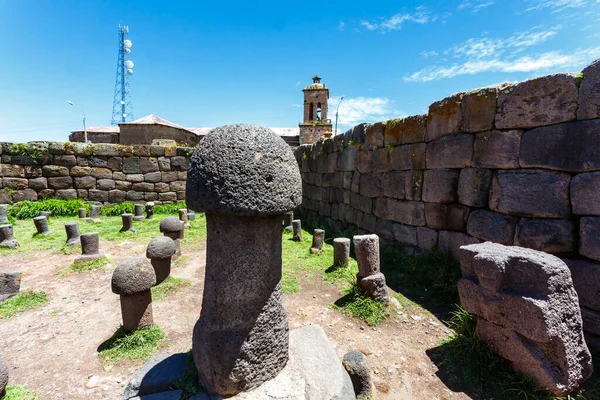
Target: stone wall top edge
<point>92,149</point>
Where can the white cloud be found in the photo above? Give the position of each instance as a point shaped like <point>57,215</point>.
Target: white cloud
<point>428,54</point>
<point>356,110</point>
<point>475,5</point>
<point>420,16</point>
<point>555,5</point>
<point>341,25</point>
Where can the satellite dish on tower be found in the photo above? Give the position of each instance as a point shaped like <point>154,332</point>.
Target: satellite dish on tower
<point>127,43</point>
<point>129,64</point>
<point>129,71</point>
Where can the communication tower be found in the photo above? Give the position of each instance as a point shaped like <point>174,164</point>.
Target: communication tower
<point>122,107</point>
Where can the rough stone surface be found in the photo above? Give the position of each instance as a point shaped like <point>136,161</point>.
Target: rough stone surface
<point>584,193</point>
<point>440,186</point>
<point>366,248</point>
<point>90,243</point>
<point>589,95</point>
<point>72,230</point>
<point>405,234</point>
<point>127,220</point>
<point>133,275</point>
<point>409,156</point>
<point>453,151</point>
<point>550,236</point>
<point>317,242</point>
<point>536,102</point>
<point>160,247</point>
<point>589,236</point>
<point>490,226</point>
<point>10,284</point>
<point>3,375</point>
<point>256,176</point>
<point>444,118</point>
<point>497,149</point>
<point>3,214</point>
<point>519,193</point>
<point>474,187</point>
<point>158,374</point>
<point>7,240</point>
<point>479,109</point>
<point>586,280</point>
<point>171,224</point>
<point>341,252</point>
<point>374,287</point>
<point>449,241</point>
<point>527,311</point>
<point>41,225</point>
<point>138,212</point>
<point>427,239</point>
<point>357,366</point>
<point>297,229</point>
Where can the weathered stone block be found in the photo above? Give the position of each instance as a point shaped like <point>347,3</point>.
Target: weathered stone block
<point>57,148</point>
<point>573,146</point>
<point>440,186</point>
<point>327,180</point>
<point>15,183</point>
<point>66,194</point>
<point>427,239</point>
<point>374,136</point>
<point>81,193</point>
<point>586,280</point>
<point>405,234</point>
<point>96,161</point>
<point>370,185</point>
<point>450,241</point>
<point>537,102</point>
<point>14,171</point>
<point>405,212</point>
<point>452,151</point>
<point>133,195</point>
<point>115,163</point>
<point>60,182</point>
<point>117,196</point>
<point>164,163</point>
<point>409,156</point>
<point>479,109</point>
<point>527,312</point>
<point>160,187</point>
<point>355,182</point>
<point>584,193</point>
<point>152,196</point>
<point>413,129</point>
<point>32,171</point>
<point>153,177</point>
<point>474,187</point>
<point>101,173</point>
<point>131,165</point>
<point>80,171</point>
<point>394,184</point>
<point>361,203</point>
<point>169,176</point>
<point>123,185</point>
<point>444,118</point>
<point>382,160</point>
<point>347,159</point>
<point>589,95</point>
<point>589,237</point>
<point>435,215</point>
<point>493,227</point>
<point>367,222</point>
<point>550,236</point>
<point>133,177</point>
<point>364,161</point>
<point>150,164</point>
<point>105,184</point>
<point>5,196</point>
<point>521,192</point>
<point>456,217</point>
<point>393,132</point>
<point>168,196</point>
<point>180,162</point>
<point>84,182</point>
<point>413,185</point>
<point>54,170</point>
<point>177,186</point>
<point>98,195</point>
<point>42,194</point>
<point>497,149</point>
<point>384,229</point>
<point>66,160</point>
<point>106,149</point>
<point>143,187</point>
<point>38,184</point>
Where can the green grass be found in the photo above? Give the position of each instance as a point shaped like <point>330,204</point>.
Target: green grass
<point>57,207</point>
<point>79,267</point>
<point>189,381</point>
<point>137,345</point>
<point>169,286</point>
<point>342,274</point>
<point>20,392</point>
<point>26,300</point>
<point>472,366</point>
<point>356,304</point>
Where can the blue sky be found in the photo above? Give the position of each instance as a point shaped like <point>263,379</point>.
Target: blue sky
<point>204,64</point>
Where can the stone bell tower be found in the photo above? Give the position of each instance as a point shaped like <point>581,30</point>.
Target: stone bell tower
<point>316,125</point>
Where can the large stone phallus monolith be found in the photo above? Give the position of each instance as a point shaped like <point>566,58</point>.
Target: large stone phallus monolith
<point>244,177</point>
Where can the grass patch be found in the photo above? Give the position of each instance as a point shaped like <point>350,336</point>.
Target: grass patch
<point>137,345</point>
<point>169,286</point>
<point>356,304</point>
<point>58,208</point>
<point>472,366</point>
<point>79,267</point>
<point>189,381</point>
<point>20,392</point>
<point>342,274</point>
<point>26,300</point>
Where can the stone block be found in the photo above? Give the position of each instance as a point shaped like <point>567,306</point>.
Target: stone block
<point>38,184</point>
<point>168,196</point>
<point>13,171</point>
<point>413,185</point>
<point>537,102</point>
<point>101,173</point>
<point>98,195</point>
<point>440,186</point>
<point>374,136</point>
<point>15,183</point>
<point>57,148</point>
<point>479,109</point>
<point>81,193</point>
<point>393,132</point>
<point>105,184</point>
<point>80,171</point>
<point>589,95</point>
<point>143,186</point>
<point>66,160</point>
<point>384,229</point>
<point>179,162</point>
<point>355,182</point>
<point>368,222</point>
<point>586,280</point>
<point>584,193</point>
<point>169,176</point>
<point>24,194</point>
<point>361,203</point>
<point>347,159</point>
<point>370,185</point>
<point>42,194</point>
<point>382,160</point>
<point>456,217</point>
<point>451,151</point>
<point>66,194</point>
<point>131,165</point>
<point>572,146</point>
<point>84,182</point>
<point>413,129</point>
<point>589,237</point>
<point>409,156</point>
<point>405,234</point>
<point>97,161</point>
<point>54,170</point>
<point>32,171</point>
<point>394,184</point>
<point>115,163</point>
<point>328,146</point>
<point>327,180</point>
<point>164,163</point>
<point>134,177</point>
<point>547,235</point>
<point>150,164</point>
<point>450,241</point>
<point>359,132</point>
<point>527,312</point>
<point>141,150</point>
<point>492,227</point>
<point>83,161</point>
<point>177,186</point>
<point>444,118</point>
<point>405,212</point>
<point>532,193</point>
<point>331,163</point>
<point>427,239</point>
<point>123,185</point>
<point>161,187</point>
<point>364,161</point>
<point>134,196</point>
<point>153,177</point>
<point>5,196</point>
<point>474,187</point>
<point>117,196</point>
<point>106,149</point>
<point>150,196</point>
<point>60,182</point>
<point>497,149</point>
<point>435,215</point>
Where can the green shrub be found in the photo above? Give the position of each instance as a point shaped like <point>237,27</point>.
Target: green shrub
<point>57,207</point>
<point>26,300</point>
<point>170,208</point>
<point>115,210</point>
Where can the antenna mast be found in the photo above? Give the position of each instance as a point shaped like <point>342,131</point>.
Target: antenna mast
<point>122,107</point>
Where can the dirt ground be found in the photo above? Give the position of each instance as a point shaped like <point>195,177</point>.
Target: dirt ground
<point>53,349</point>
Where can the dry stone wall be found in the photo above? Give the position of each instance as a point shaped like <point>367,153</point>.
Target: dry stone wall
<point>516,164</point>
<point>106,173</point>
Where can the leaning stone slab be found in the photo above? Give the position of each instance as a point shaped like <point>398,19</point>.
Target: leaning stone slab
<point>527,311</point>
<point>72,230</point>
<point>158,374</point>
<point>41,225</point>
<point>7,240</point>
<point>10,284</point>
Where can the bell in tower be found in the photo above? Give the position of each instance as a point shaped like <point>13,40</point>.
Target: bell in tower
<point>315,125</point>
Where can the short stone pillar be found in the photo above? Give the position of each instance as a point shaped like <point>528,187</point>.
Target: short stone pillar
<point>45,214</point>
<point>317,241</point>
<point>72,229</point>
<point>90,244</point>
<point>159,251</point>
<point>357,366</point>
<point>41,224</point>
<point>3,214</point>
<point>7,240</point>
<point>288,217</point>
<point>82,212</point>
<point>191,215</point>
<point>297,229</point>
<point>183,217</point>
<point>95,213</point>
<point>10,284</point>
<point>3,377</point>
<point>369,277</point>
<point>150,210</point>
<point>244,178</point>
<point>172,227</point>
<point>139,212</point>
<point>132,280</point>
<point>341,252</point>
<point>527,312</point>
<point>127,220</point>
